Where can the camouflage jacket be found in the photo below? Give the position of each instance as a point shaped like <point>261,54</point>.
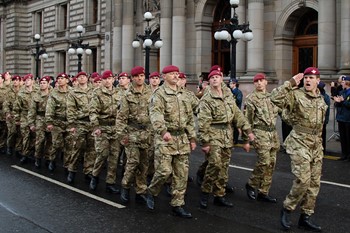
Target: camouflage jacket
<point>193,99</point>
<point>3,91</point>
<point>37,108</point>
<point>307,114</point>
<point>262,115</point>
<point>216,117</point>
<point>104,107</point>
<point>170,111</point>
<point>22,104</point>
<point>78,102</point>
<point>11,96</point>
<point>56,107</point>
<point>133,116</point>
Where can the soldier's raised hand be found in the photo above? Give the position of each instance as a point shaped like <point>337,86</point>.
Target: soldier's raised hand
<point>298,77</point>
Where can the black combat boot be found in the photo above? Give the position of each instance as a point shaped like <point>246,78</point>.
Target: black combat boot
<point>125,195</point>
<point>306,224</point>
<point>285,219</point>
<point>229,188</point>
<point>37,163</point>
<point>70,177</point>
<point>266,198</point>
<point>250,192</point>
<point>23,160</point>
<point>199,179</point>
<point>9,151</point>
<point>93,183</point>
<point>204,200</point>
<point>221,201</point>
<point>51,166</point>
<point>140,198</point>
<point>181,212</point>
<point>110,188</point>
<point>150,201</point>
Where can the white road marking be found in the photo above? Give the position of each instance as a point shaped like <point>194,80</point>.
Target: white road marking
<point>322,181</point>
<point>97,198</point>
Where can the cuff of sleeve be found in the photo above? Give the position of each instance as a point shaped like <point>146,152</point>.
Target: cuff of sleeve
<point>293,82</point>
<point>163,132</point>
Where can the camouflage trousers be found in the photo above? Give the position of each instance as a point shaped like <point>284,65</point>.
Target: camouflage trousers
<point>43,144</point>
<point>306,184</point>
<point>3,134</point>
<point>216,173</point>
<point>136,168</point>
<point>261,177</point>
<point>28,140</point>
<point>61,143</point>
<point>107,148</point>
<point>14,136</point>
<point>83,144</point>
<point>177,166</point>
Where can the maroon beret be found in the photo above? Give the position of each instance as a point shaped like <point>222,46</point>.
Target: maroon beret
<point>311,71</point>
<point>81,73</point>
<point>214,72</point>
<point>107,74</point>
<point>215,67</point>
<point>63,75</point>
<point>7,72</point>
<point>45,78</point>
<point>95,74</point>
<point>16,77</point>
<point>74,79</point>
<point>97,79</point>
<point>182,75</point>
<point>259,76</point>
<point>169,69</point>
<point>154,74</point>
<point>137,70</point>
<point>123,74</point>
<point>27,76</point>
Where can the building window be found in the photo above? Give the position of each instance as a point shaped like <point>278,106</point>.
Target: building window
<point>61,61</point>
<point>62,20</point>
<point>92,11</point>
<point>38,22</point>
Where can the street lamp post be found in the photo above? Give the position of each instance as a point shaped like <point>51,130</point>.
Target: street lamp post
<point>39,53</point>
<point>232,32</point>
<point>79,47</point>
<point>148,40</point>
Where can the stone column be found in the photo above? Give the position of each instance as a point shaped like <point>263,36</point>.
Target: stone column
<point>117,37</point>
<point>345,37</point>
<point>327,36</point>
<point>127,35</point>
<point>241,45</point>
<point>256,46</point>
<point>178,34</point>
<point>165,33</point>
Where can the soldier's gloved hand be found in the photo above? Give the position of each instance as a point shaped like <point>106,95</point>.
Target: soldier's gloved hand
<point>167,137</point>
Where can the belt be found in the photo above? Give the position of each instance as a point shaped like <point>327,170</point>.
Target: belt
<point>220,125</point>
<point>176,132</point>
<point>40,113</point>
<point>307,130</point>
<point>107,121</point>
<point>138,126</point>
<point>265,128</point>
<point>84,119</point>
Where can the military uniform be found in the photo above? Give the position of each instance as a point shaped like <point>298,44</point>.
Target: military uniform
<point>36,118</point>
<point>170,111</point>
<point>133,121</point>
<point>55,115</point>
<point>3,127</point>
<point>216,118</point>
<point>262,114</point>
<point>103,113</point>
<point>304,145</point>
<point>78,102</point>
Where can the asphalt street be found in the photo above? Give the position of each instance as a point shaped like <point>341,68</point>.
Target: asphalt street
<point>33,200</point>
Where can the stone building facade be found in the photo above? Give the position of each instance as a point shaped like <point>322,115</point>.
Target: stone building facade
<point>288,36</point>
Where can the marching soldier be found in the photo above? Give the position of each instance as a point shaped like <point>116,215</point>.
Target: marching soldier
<point>262,114</point>
<point>133,127</point>
<point>20,109</point>
<point>216,116</point>
<point>3,127</point>
<point>79,126</point>
<point>103,113</point>
<point>8,79</point>
<point>154,80</point>
<point>307,111</point>
<point>36,121</point>
<point>14,140</point>
<point>173,122</point>
<point>56,121</point>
